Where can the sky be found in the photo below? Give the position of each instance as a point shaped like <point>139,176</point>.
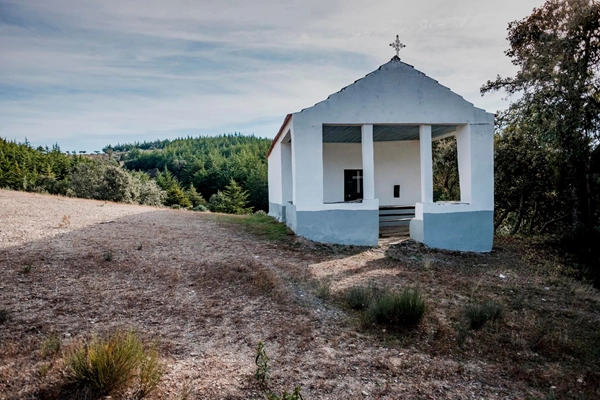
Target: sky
<point>88,73</point>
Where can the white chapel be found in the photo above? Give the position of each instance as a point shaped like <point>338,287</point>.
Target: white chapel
<point>347,167</point>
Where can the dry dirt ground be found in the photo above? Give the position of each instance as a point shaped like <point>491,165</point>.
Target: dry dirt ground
<point>206,289</point>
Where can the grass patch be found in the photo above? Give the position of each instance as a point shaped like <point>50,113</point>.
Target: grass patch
<point>478,314</point>
<point>323,290</point>
<point>403,309</point>
<point>261,225</point>
<point>264,281</point>
<point>359,297</point>
<point>397,309</point>
<point>107,365</point>
<point>51,345</point>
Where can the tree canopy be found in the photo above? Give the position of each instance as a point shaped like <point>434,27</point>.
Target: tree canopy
<point>557,50</point>
<point>207,163</point>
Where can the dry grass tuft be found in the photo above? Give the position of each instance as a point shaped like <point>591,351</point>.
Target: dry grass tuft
<point>51,345</point>
<point>110,364</point>
<point>397,309</point>
<point>478,314</point>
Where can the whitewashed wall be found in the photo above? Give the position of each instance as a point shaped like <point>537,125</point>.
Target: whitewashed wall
<point>396,163</point>
<point>395,93</point>
<point>275,190</point>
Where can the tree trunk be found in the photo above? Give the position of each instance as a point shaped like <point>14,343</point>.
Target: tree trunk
<point>547,224</point>
<point>501,219</point>
<point>515,228</point>
<point>579,191</point>
<point>535,210</point>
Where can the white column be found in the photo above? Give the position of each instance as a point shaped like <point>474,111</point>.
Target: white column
<point>426,164</point>
<point>463,147</point>
<point>286,173</point>
<point>368,162</point>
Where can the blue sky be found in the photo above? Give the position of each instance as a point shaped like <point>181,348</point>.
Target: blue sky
<point>85,73</point>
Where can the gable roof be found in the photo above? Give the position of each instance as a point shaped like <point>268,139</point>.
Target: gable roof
<point>403,67</point>
<point>395,93</point>
<point>285,122</point>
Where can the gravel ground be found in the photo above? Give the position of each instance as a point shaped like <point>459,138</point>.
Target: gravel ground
<point>206,291</point>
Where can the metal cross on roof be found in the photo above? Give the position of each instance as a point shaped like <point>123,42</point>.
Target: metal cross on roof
<point>397,45</point>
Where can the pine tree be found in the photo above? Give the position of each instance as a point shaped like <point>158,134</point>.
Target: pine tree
<point>195,198</point>
<point>232,200</point>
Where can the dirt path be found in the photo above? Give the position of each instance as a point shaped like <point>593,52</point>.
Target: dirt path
<point>207,291</point>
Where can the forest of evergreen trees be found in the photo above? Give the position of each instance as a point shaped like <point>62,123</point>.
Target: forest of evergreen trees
<point>208,164</point>
<point>225,173</point>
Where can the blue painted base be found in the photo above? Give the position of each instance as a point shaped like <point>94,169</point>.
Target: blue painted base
<point>290,216</point>
<point>277,211</point>
<point>462,231</point>
<point>350,227</point>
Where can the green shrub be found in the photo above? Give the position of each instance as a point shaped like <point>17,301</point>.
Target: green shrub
<point>195,198</point>
<point>232,200</point>
<point>478,314</point>
<point>111,364</point>
<point>200,208</point>
<point>262,372</point>
<point>401,310</point>
<point>103,181</point>
<point>150,194</point>
<point>359,297</point>
<point>176,197</point>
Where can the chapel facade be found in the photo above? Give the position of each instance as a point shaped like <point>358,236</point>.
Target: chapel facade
<point>346,169</point>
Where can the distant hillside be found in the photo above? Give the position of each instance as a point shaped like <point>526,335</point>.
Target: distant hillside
<point>207,163</point>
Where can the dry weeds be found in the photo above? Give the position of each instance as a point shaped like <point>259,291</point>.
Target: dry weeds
<point>207,291</point>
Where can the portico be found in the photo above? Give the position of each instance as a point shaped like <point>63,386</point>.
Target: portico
<point>332,166</point>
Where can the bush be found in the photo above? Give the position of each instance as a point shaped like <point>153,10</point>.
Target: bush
<point>478,314</point>
<point>176,197</point>
<point>151,194</point>
<point>147,192</point>
<point>232,200</point>
<point>401,310</point>
<point>200,208</point>
<point>108,365</point>
<point>359,297</point>
<point>102,181</point>
<point>195,198</point>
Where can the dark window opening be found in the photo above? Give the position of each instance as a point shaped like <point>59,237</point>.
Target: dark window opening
<point>353,184</point>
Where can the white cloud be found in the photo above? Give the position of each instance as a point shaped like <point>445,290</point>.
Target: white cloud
<point>89,73</point>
